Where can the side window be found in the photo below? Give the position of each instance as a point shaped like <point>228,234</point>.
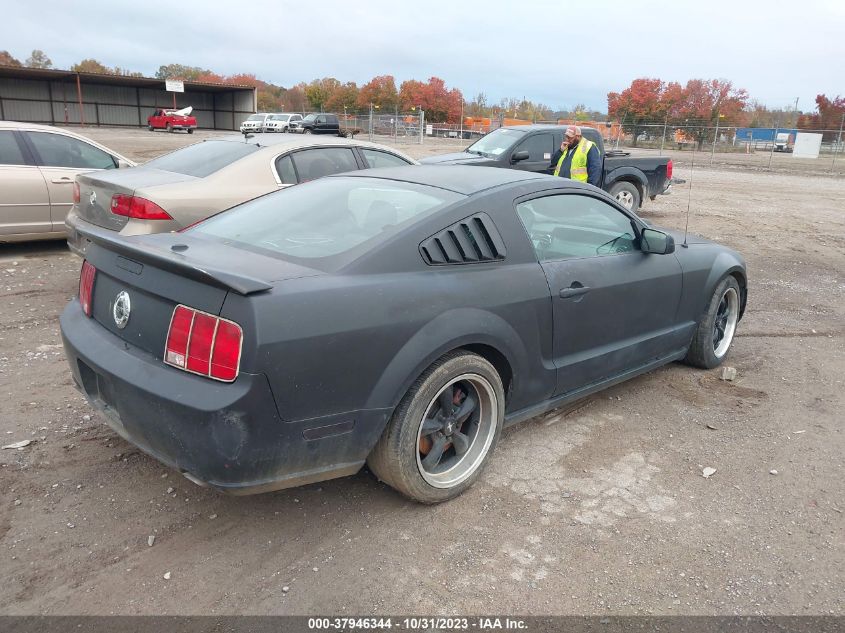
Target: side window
<point>321,119</point>
<point>284,167</point>
<point>323,161</point>
<point>375,158</point>
<point>331,119</point>
<point>57,150</point>
<point>10,152</point>
<point>574,225</point>
<point>540,147</point>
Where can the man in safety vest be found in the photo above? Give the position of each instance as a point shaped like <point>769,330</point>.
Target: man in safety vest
<point>577,158</point>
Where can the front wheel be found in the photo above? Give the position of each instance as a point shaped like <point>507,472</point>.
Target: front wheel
<point>443,431</point>
<point>626,194</point>
<point>306,131</point>
<point>190,130</point>
<point>152,129</point>
<point>717,326</point>
<point>169,127</point>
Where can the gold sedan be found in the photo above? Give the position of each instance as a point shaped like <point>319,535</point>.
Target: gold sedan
<point>38,165</point>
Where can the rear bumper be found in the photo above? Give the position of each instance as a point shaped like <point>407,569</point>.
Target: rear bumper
<point>227,436</point>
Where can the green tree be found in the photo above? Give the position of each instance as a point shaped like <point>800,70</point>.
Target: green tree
<point>38,59</point>
<point>90,66</point>
<point>179,71</point>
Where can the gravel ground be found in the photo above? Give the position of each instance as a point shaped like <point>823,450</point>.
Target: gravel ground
<point>597,509</point>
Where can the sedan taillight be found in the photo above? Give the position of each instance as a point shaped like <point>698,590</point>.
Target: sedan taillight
<point>86,286</point>
<point>203,344</point>
<point>76,195</point>
<point>138,208</point>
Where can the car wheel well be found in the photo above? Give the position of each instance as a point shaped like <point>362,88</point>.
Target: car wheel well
<point>743,290</point>
<point>497,359</point>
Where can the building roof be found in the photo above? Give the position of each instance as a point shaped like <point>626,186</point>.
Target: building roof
<point>16,72</point>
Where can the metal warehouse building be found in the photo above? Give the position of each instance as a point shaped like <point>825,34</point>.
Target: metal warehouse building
<point>59,97</point>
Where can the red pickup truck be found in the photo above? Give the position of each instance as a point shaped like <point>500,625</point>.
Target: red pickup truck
<point>171,120</point>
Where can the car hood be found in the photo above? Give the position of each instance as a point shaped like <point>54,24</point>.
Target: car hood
<point>459,158</point>
<point>678,236</point>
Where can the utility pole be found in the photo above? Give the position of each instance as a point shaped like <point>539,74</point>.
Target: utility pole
<point>663,140</point>
<point>794,114</point>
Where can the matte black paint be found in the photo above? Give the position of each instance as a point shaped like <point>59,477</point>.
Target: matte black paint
<point>328,355</point>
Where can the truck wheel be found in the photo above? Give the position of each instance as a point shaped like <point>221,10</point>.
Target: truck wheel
<point>307,131</point>
<point>443,431</point>
<point>626,194</point>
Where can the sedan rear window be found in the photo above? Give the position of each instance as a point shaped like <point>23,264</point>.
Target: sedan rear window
<point>203,159</point>
<point>337,216</point>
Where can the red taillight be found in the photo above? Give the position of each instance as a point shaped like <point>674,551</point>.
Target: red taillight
<point>138,208</point>
<point>203,344</point>
<point>669,170</point>
<point>76,195</point>
<point>86,286</point>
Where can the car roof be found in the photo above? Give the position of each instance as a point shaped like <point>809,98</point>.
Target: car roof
<point>463,179</point>
<point>282,142</point>
<point>37,127</point>
<point>533,127</point>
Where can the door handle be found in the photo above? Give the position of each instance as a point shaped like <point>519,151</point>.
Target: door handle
<point>62,181</point>
<point>574,291</point>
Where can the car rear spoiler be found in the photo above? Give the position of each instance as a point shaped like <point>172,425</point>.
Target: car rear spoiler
<point>167,256</point>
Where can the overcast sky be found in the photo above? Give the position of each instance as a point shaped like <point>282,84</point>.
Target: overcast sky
<point>555,52</point>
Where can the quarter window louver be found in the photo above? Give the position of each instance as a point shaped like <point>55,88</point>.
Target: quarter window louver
<point>472,240</point>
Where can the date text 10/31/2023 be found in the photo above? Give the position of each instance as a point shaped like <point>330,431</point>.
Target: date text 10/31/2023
<point>417,623</point>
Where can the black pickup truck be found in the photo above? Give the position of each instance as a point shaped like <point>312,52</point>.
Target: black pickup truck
<point>627,178</point>
<point>322,123</point>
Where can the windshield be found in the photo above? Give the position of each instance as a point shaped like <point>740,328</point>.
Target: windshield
<point>496,142</point>
<point>255,117</point>
<point>310,117</point>
<point>280,117</point>
<point>331,219</point>
<point>202,159</point>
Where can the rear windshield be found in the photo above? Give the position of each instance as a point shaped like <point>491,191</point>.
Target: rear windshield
<point>203,159</point>
<point>334,218</point>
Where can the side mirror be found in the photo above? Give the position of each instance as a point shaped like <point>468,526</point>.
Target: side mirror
<point>519,156</point>
<point>122,164</point>
<point>656,242</point>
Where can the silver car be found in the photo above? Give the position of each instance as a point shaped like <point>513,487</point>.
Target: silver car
<point>38,165</point>
<point>192,183</point>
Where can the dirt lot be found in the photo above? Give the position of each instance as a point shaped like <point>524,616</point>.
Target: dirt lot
<point>600,509</point>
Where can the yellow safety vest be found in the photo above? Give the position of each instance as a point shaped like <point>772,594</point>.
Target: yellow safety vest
<point>578,167</point>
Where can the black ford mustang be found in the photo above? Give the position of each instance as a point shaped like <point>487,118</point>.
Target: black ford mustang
<point>398,317</point>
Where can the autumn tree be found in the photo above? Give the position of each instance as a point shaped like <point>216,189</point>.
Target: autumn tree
<point>703,102</point>
<point>38,59</point>
<point>344,97</point>
<point>380,91</point>
<point>828,116</point>
<point>6,59</point>
<point>646,101</point>
<point>90,66</point>
<point>293,99</point>
<point>319,91</point>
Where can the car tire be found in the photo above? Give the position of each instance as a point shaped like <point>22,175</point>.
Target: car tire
<point>169,127</point>
<point>306,131</point>
<point>418,431</point>
<point>626,194</point>
<point>152,129</point>
<point>717,326</point>
<point>190,130</point>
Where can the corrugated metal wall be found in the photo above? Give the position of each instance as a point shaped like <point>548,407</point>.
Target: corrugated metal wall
<point>45,101</point>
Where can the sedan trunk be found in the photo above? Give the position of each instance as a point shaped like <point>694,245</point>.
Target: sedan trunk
<point>97,188</point>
